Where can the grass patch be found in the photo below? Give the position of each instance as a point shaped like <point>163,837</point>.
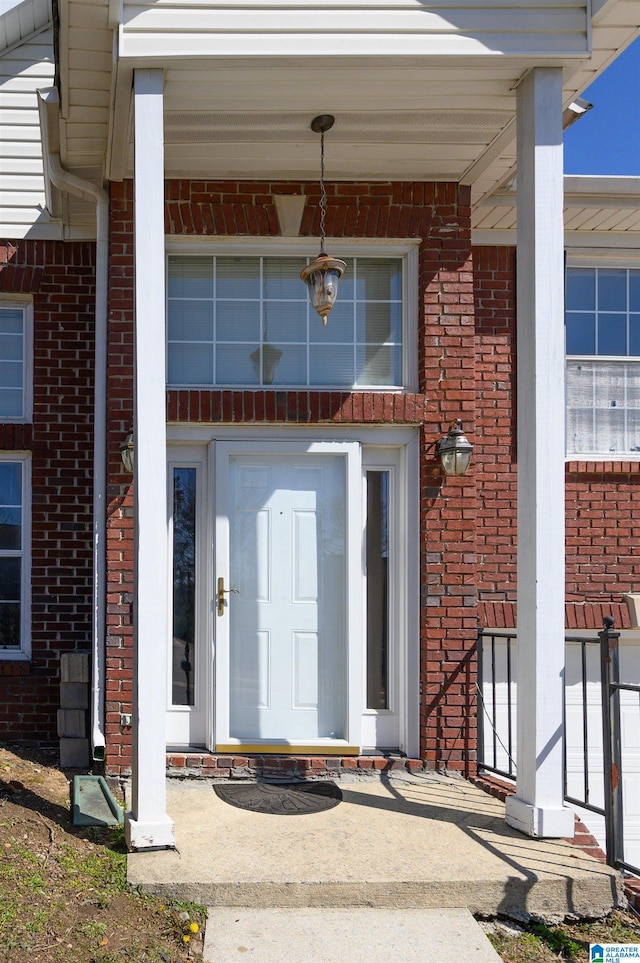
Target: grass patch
<point>539,943</point>
<point>64,896</point>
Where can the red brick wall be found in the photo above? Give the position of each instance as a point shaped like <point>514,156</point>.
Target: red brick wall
<point>440,215</point>
<point>119,609</point>
<point>61,279</point>
<point>603,529</point>
<point>494,458</point>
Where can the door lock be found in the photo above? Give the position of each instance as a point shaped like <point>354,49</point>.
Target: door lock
<point>222,591</point>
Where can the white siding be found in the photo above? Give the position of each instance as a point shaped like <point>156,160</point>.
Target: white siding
<point>23,69</point>
<point>360,28</point>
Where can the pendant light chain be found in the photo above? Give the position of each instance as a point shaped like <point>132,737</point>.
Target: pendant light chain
<point>323,194</point>
<point>323,273</point>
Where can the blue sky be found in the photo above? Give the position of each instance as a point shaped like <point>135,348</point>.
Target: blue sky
<point>606,140</point>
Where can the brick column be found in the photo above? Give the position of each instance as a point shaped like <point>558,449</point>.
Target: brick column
<point>448,505</point>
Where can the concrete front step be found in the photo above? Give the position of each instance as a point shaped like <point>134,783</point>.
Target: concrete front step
<point>401,842</point>
<point>350,935</point>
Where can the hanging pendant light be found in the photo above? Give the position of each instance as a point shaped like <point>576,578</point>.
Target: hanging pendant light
<point>322,274</point>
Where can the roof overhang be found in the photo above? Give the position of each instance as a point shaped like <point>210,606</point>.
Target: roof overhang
<point>431,106</point>
<point>600,214</point>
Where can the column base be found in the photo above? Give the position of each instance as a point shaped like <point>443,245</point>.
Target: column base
<point>157,834</point>
<point>543,821</point>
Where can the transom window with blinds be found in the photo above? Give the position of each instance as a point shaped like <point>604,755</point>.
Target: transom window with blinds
<point>603,361</point>
<point>245,320</point>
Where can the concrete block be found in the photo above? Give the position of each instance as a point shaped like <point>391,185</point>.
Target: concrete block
<point>633,604</point>
<point>72,723</point>
<point>74,667</point>
<point>74,695</point>
<point>74,753</point>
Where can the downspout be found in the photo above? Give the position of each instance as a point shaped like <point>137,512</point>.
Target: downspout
<point>49,106</point>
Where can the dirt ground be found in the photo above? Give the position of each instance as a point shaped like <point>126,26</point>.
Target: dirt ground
<point>64,896</point>
<point>63,891</point>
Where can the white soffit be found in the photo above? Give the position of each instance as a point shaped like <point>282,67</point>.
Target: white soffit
<point>21,21</point>
<point>598,212</point>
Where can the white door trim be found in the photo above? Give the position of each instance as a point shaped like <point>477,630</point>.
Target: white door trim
<point>190,725</point>
<point>185,440</point>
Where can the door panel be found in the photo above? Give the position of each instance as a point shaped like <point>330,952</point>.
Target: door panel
<point>287,626</point>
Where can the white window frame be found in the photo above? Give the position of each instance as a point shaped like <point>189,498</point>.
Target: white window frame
<point>405,248</point>
<point>187,723</point>
<point>385,722</point>
<point>585,259</point>
<point>24,553</point>
<point>13,301</point>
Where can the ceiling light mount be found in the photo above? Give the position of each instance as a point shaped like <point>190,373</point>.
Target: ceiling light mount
<point>322,123</point>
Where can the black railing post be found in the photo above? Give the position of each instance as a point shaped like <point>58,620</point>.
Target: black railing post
<point>480,699</point>
<point>610,678</point>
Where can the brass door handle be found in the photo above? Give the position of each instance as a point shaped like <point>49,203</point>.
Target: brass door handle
<point>222,591</point>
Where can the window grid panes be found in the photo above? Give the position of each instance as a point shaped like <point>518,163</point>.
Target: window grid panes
<point>11,554</point>
<point>247,321</point>
<point>603,361</point>
<point>12,362</point>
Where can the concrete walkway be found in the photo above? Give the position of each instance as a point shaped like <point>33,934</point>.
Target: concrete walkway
<point>345,935</point>
<point>402,842</point>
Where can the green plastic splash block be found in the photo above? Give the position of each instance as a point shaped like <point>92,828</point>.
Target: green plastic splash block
<point>93,803</point>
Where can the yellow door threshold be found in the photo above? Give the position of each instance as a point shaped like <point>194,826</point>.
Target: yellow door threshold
<point>286,749</point>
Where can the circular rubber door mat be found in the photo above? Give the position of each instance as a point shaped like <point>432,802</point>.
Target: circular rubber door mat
<point>289,799</point>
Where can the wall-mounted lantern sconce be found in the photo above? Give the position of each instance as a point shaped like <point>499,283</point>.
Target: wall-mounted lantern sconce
<point>454,450</point>
<point>322,274</point>
<point>127,453</point>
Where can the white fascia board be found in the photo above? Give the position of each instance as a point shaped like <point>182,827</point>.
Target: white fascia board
<point>617,246</point>
<point>601,191</point>
<point>168,46</point>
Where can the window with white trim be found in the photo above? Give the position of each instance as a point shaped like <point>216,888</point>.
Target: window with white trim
<point>14,556</point>
<point>603,361</point>
<point>246,320</point>
<point>15,359</point>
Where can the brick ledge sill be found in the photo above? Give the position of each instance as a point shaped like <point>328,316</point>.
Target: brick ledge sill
<point>212,766</point>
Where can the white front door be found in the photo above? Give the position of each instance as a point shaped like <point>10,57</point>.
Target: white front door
<point>285,568</point>
<point>314,547</point>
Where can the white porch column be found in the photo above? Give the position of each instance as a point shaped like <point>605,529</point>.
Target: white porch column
<point>538,808</point>
<point>148,824</point>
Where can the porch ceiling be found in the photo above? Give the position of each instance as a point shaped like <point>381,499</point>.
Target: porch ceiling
<point>394,120</point>
<point>397,118</point>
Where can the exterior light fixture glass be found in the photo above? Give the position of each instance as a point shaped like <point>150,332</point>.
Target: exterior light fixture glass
<point>323,273</point>
<point>454,449</point>
<point>127,453</point>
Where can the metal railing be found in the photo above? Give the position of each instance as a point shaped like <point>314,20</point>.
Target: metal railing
<point>599,662</point>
